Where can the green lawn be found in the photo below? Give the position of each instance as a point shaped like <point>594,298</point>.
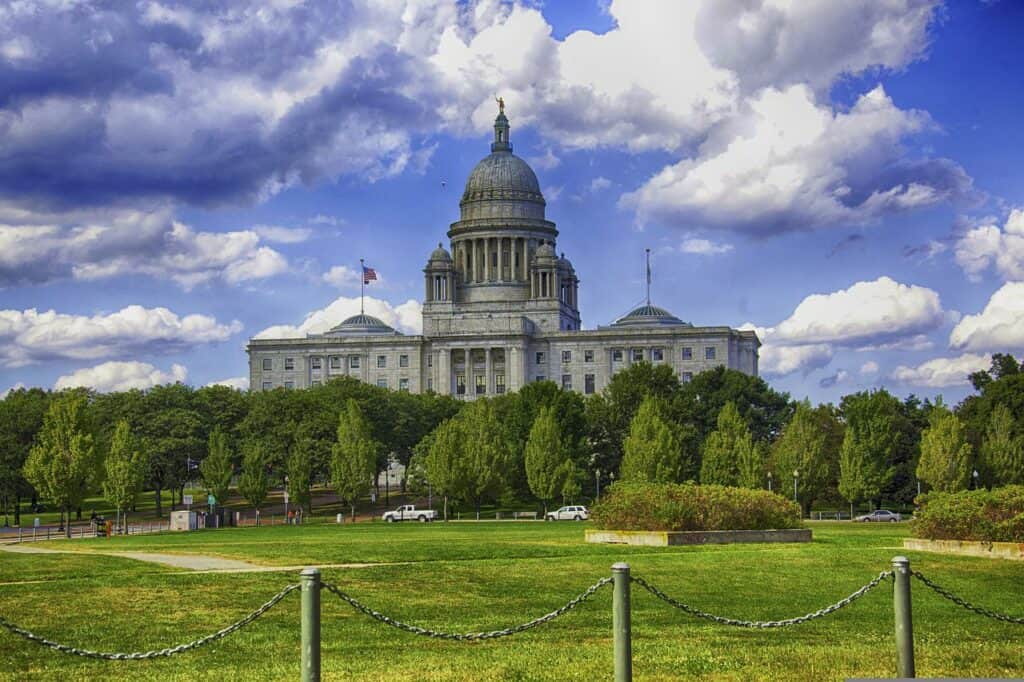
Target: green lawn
<point>482,576</point>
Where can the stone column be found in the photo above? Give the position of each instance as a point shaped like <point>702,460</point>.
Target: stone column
<point>443,384</point>
<point>488,390</point>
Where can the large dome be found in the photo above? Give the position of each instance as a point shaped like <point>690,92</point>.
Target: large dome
<point>649,315</point>
<point>502,175</point>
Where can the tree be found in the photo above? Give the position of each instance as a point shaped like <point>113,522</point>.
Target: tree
<point>172,433</point>
<point>945,462</point>
<point>805,446</point>
<point>62,464</point>
<point>485,453</point>
<point>1002,452</point>
<point>354,456</point>
<point>725,447</point>
<point>764,410</point>
<point>750,465</point>
<point>866,455</point>
<point>443,460</point>
<point>217,467</point>
<point>254,485</point>
<point>545,457</point>
<point>300,472</point>
<point>651,450</point>
<point>125,470</point>
<point>21,417</point>
<point>571,486</point>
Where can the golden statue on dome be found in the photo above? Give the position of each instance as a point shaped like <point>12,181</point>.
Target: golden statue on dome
<point>501,104</point>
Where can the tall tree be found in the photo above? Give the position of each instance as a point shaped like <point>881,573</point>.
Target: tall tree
<point>485,453</point>
<point>1002,450</point>
<point>218,466</point>
<point>765,410</point>
<point>866,456</point>
<point>651,450</point>
<point>946,456</point>
<point>443,460</point>
<point>300,473</point>
<point>545,457</point>
<point>354,456</point>
<point>751,466</point>
<point>62,465</point>
<point>125,467</point>
<point>254,483</point>
<point>571,485</point>
<point>806,446</point>
<point>21,417</point>
<point>723,448</point>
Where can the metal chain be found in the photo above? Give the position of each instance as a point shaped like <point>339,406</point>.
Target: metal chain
<point>966,604</point>
<point>468,636</point>
<point>142,655</point>
<point>763,624</point>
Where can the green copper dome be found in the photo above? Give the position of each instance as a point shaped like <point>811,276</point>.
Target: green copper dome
<point>361,325</point>
<point>649,315</point>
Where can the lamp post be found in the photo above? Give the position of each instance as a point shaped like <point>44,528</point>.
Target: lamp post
<point>597,482</point>
<point>796,477</point>
<point>286,499</point>
<point>769,481</point>
<point>919,487</point>
<point>974,475</point>
<point>387,483</point>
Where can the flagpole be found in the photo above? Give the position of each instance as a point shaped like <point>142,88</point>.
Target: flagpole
<point>362,284</point>
<point>648,276</point>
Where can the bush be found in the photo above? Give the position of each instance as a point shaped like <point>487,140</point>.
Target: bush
<point>985,515</point>
<point>687,506</point>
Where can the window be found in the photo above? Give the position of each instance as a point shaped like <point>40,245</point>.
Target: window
<point>687,376</point>
<point>567,382</point>
<point>289,364</point>
<point>540,357</point>
<point>403,360</point>
<point>314,383</point>
<point>460,384</point>
<point>566,356</point>
<point>656,355</point>
<point>316,363</point>
<point>430,359</point>
<point>638,355</point>
<point>353,361</point>
<point>382,361</point>
<point>499,383</point>
<point>541,377</point>
<point>588,384</point>
<point>289,384</point>
<point>267,385</point>
<point>382,382</point>
<point>588,356</point>
<point>617,355</point>
<point>709,353</point>
<point>268,364</point>
<point>335,362</point>
<point>687,353</point>
<point>403,384</point>
<point>481,384</point>
<point>430,384</point>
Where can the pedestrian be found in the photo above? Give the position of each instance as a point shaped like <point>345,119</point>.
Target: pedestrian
<point>291,517</point>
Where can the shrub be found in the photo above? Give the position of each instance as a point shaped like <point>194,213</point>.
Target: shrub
<point>985,515</point>
<point>687,506</point>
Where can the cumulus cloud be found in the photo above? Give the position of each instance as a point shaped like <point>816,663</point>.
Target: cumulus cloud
<point>406,317</point>
<point>239,383</point>
<point>704,247</point>
<point>283,235</point>
<point>28,336</point>
<point>343,277</point>
<point>782,360</point>
<point>839,377</point>
<point>988,246</point>
<point>869,367</point>
<point>121,376</point>
<point>942,372</point>
<point>999,327</point>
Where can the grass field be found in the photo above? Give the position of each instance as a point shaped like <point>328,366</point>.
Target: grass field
<point>483,576</point>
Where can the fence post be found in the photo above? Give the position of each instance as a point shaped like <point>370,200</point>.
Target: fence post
<point>310,579</point>
<point>621,626</point>
<point>901,608</point>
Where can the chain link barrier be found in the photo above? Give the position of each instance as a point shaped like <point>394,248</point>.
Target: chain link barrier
<point>467,636</point>
<point>943,592</point>
<point>143,655</point>
<point>722,620</point>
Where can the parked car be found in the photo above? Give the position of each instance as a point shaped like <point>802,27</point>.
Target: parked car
<point>408,512</point>
<point>879,515</point>
<point>571,513</point>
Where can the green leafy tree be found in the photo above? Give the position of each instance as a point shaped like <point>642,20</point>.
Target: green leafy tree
<point>172,433</point>
<point>751,463</point>
<point>866,455</point>
<point>485,453</point>
<point>1002,452</point>
<point>702,399</point>
<point>444,459</point>
<point>945,462</point>
<point>218,466</point>
<point>725,447</point>
<point>254,483</point>
<point>125,467</point>
<point>62,465</point>
<point>651,450</point>
<point>806,446</point>
<point>545,457</point>
<point>354,456</point>
<point>21,418</point>
<point>571,482</point>
<point>300,472</point>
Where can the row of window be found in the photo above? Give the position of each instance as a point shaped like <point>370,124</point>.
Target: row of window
<point>636,354</point>
<point>382,382</point>
<point>480,384</point>
<point>317,363</point>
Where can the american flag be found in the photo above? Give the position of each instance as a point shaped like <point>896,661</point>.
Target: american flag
<point>369,275</point>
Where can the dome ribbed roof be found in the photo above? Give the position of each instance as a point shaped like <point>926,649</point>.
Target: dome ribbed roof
<point>440,254</point>
<point>361,324</point>
<point>502,172</point>
<point>649,315</point>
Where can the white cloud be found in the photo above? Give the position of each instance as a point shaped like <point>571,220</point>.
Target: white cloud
<point>342,276</point>
<point>551,193</point>
<point>15,387</point>
<point>240,383</point>
<point>999,327</point>
<point>121,376</point>
<point>28,336</point>
<point>283,235</point>
<point>987,245</point>
<point>704,247</point>
<point>869,367</point>
<point>321,219</point>
<point>942,372</point>
<point>547,161</point>
<point>599,183</point>
<point>840,376</point>
<point>783,360</point>
<point>406,317</point>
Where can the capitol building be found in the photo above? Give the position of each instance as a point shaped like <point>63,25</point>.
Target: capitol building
<point>500,310</point>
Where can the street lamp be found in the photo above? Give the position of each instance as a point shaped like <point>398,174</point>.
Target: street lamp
<point>597,481</point>
<point>919,487</point>
<point>769,481</point>
<point>796,477</point>
<point>286,499</point>
<point>975,475</point>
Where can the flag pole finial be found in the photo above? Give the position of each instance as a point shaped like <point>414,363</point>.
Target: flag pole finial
<point>648,254</point>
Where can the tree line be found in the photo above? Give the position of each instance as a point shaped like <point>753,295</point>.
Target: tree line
<point>538,444</point>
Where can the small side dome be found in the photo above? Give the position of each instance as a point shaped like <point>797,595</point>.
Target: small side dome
<point>649,315</point>
<point>361,325</point>
<point>440,254</point>
<point>565,263</point>
<point>545,251</point>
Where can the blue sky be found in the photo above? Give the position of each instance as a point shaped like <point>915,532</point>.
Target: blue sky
<point>845,178</point>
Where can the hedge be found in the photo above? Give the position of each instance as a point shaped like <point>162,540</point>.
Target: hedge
<point>985,515</point>
<point>687,506</point>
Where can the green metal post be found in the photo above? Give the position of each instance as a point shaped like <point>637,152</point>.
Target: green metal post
<point>310,580</point>
<point>621,625</point>
<point>904,626</point>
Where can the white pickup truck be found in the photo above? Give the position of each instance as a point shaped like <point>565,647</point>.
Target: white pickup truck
<point>408,512</point>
